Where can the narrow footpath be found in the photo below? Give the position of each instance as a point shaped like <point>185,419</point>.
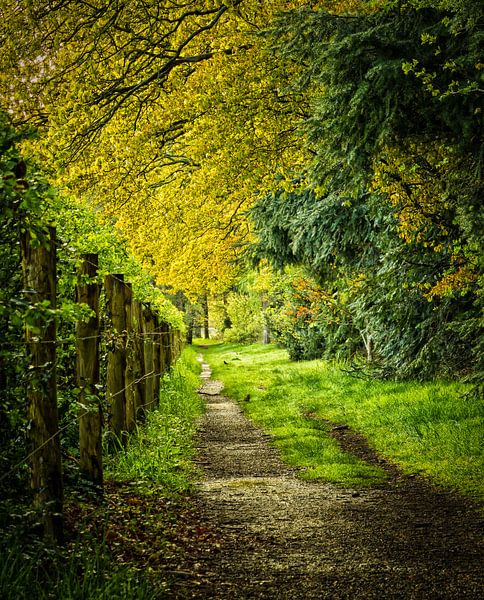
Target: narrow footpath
<point>275,536</point>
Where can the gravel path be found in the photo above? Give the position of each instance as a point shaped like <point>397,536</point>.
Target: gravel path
<point>273,535</point>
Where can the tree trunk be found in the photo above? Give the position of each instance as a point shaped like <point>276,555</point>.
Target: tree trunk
<point>116,366</point>
<point>39,278</point>
<point>368,342</point>
<point>87,347</point>
<point>206,333</point>
<point>266,335</point>
<point>189,336</point>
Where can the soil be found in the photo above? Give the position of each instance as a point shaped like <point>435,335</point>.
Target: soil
<point>270,534</point>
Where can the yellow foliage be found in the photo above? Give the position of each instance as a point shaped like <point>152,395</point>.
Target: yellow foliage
<point>461,281</point>
<point>411,179</point>
<point>187,150</point>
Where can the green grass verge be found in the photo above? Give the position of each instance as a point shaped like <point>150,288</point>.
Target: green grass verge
<point>161,451</point>
<point>85,573</point>
<point>427,428</point>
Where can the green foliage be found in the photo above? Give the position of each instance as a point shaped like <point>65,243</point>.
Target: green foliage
<point>292,319</point>
<point>29,204</point>
<point>245,313</point>
<point>367,100</point>
<point>41,573</point>
<point>22,197</point>
<point>384,216</point>
<point>157,460</point>
<point>431,428</point>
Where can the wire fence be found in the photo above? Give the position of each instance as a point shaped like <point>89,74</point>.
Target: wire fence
<point>159,347</point>
<point>26,459</point>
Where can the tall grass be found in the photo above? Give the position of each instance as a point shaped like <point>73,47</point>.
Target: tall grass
<point>429,428</point>
<point>161,450</point>
<point>87,573</point>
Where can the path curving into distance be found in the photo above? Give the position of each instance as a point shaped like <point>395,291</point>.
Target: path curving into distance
<point>276,536</point>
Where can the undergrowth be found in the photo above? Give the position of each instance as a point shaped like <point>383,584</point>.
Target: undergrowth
<point>105,554</point>
<point>428,428</point>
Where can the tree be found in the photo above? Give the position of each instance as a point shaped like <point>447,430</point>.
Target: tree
<point>189,122</point>
<point>381,213</point>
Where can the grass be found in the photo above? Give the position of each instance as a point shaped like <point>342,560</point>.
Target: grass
<point>83,574</point>
<point>161,450</point>
<point>106,553</point>
<point>428,428</point>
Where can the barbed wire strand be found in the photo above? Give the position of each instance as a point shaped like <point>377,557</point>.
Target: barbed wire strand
<point>78,418</point>
<point>104,335</point>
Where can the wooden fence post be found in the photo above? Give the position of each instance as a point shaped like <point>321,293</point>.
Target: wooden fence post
<point>87,351</point>
<point>116,366</point>
<point>148,327</point>
<point>162,342</point>
<point>157,358</point>
<point>39,279</point>
<point>134,366</point>
<point>167,346</point>
<point>172,347</point>
<point>139,387</point>
<point>130,359</point>
<point>179,343</point>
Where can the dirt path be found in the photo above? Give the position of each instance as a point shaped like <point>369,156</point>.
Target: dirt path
<point>272,535</point>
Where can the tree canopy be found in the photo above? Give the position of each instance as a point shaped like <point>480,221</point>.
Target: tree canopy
<point>169,116</point>
<point>386,213</point>
<point>345,136</point>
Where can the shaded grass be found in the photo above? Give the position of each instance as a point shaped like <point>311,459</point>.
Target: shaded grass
<point>428,428</point>
<point>109,541</point>
<point>81,574</point>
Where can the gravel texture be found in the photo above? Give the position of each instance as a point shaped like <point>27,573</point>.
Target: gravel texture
<point>273,535</point>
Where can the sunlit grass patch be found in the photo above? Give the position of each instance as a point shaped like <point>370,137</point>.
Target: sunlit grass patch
<point>161,450</point>
<point>428,428</point>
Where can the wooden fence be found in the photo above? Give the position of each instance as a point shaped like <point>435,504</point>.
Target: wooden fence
<point>140,349</point>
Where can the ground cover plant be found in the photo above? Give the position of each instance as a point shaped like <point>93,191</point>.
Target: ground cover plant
<point>114,548</point>
<point>428,428</point>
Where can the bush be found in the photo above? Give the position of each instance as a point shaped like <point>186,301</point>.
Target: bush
<point>245,313</point>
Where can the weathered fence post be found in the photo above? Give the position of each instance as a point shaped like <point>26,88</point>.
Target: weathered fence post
<point>157,358</point>
<point>167,346</point>
<point>39,279</point>
<point>134,365</point>
<point>116,365</point>
<point>131,343</point>
<point>172,347</point>
<point>87,351</point>
<point>139,372</point>
<point>163,328</point>
<point>181,343</point>
<point>148,326</point>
